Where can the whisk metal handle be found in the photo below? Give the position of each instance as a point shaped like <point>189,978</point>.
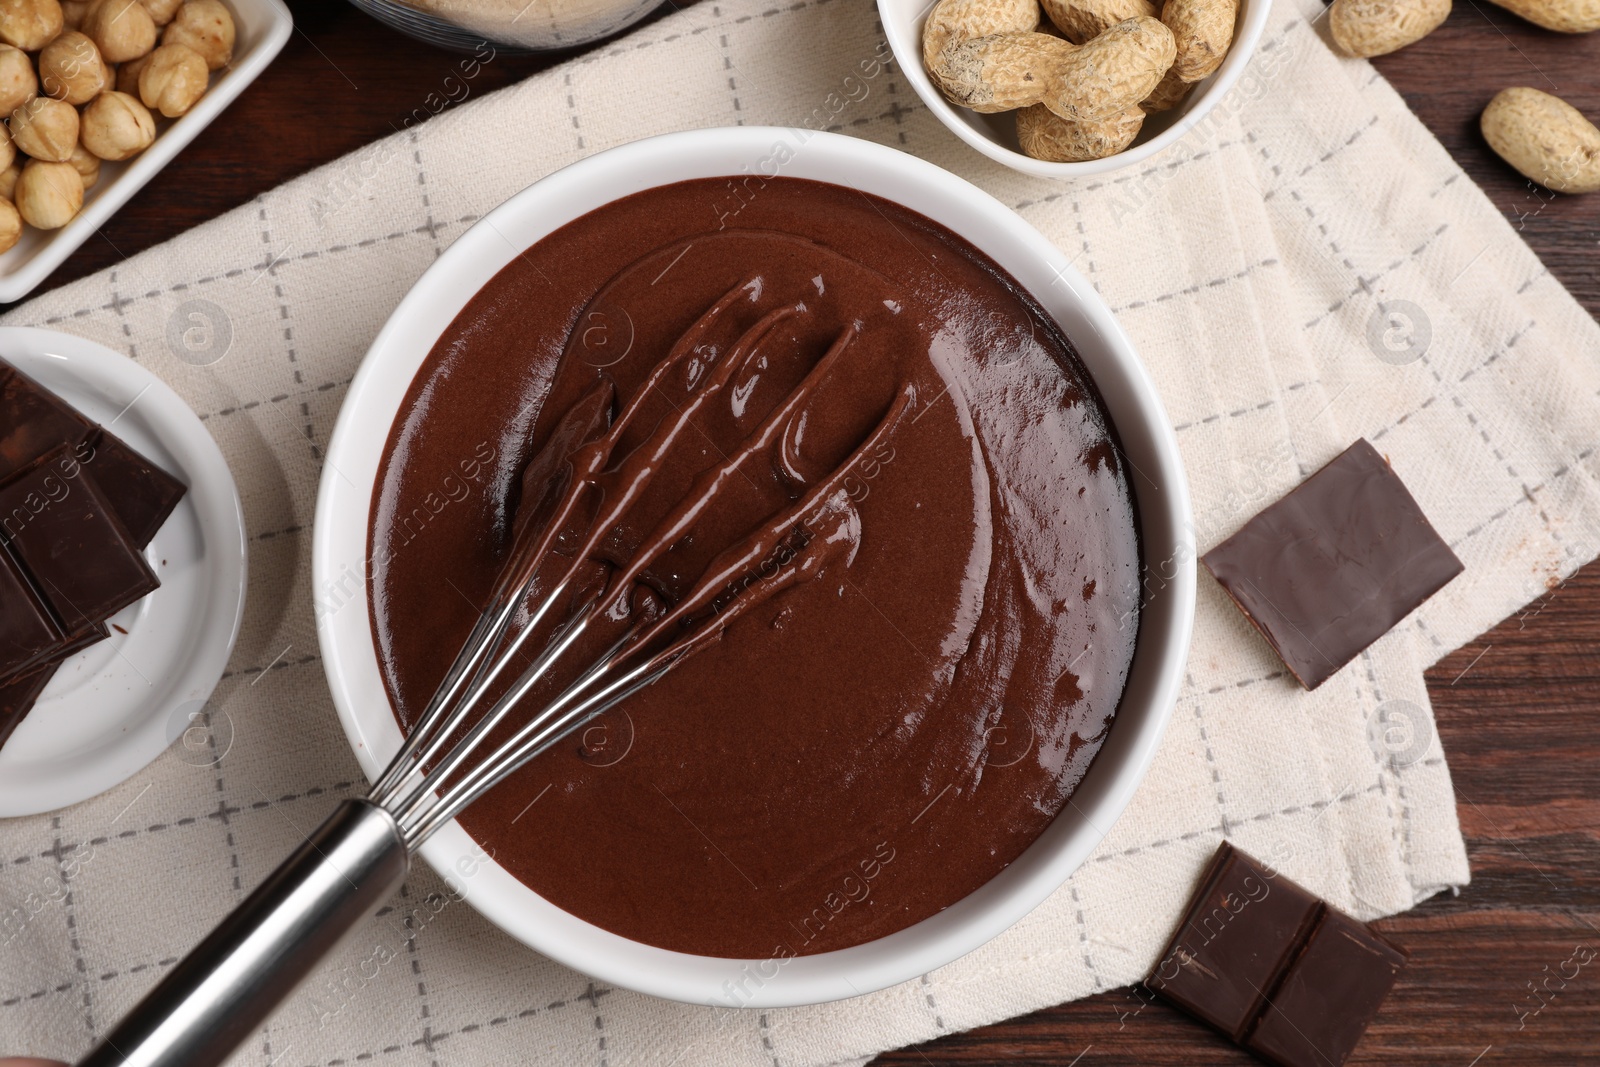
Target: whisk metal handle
<point>226,988</point>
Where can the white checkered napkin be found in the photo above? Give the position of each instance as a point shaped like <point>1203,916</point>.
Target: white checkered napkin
<point>1309,266</point>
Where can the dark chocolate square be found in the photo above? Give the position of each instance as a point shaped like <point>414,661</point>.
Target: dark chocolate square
<point>33,421</point>
<point>1236,937</point>
<point>19,692</point>
<point>68,540</point>
<point>1328,996</point>
<point>1331,567</point>
<point>28,632</point>
<point>141,493</point>
<point>18,696</point>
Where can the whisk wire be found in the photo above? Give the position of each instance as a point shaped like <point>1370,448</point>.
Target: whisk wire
<point>548,727</point>
<point>466,661</point>
<point>474,658</point>
<point>438,786</point>
<point>451,763</point>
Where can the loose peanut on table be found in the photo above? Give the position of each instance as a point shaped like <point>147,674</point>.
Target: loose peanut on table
<point>1545,138</point>
<point>960,20</point>
<point>48,194</point>
<point>1378,27</point>
<point>45,129</point>
<point>205,26</point>
<point>116,126</point>
<point>1046,135</point>
<point>70,69</point>
<point>1080,21</point>
<point>1563,16</point>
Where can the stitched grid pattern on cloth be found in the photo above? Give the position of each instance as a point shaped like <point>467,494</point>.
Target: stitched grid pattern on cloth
<point>1256,265</point>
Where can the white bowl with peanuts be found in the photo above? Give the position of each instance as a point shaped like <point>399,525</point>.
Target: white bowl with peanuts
<point>1072,88</point>
<point>98,95</point>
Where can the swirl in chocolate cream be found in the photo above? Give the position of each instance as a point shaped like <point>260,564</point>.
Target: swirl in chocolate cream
<point>841,459</point>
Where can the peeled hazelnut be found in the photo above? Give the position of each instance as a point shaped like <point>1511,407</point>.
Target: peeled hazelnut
<point>128,75</point>
<point>122,29</point>
<point>173,79</point>
<point>45,129</point>
<point>87,164</point>
<point>73,12</point>
<point>17,83</point>
<point>10,226</point>
<point>161,11</point>
<point>49,194</point>
<point>70,69</point>
<point>29,24</point>
<point>205,26</point>
<point>8,180</point>
<point>116,126</point>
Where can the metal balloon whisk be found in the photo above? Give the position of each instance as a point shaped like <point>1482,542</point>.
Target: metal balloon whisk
<point>558,622</point>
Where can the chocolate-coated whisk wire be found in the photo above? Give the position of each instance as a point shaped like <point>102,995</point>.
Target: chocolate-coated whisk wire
<point>427,784</point>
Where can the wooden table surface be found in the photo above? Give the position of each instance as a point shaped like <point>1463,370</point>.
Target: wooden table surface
<point>1518,709</point>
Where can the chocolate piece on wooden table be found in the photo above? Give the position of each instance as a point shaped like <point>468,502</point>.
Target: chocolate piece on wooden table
<point>1274,968</point>
<point>1235,940</point>
<point>1328,996</point>
<point>1331,567</point>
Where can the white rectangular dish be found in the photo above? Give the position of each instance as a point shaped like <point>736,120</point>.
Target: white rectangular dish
<point>263,27</point>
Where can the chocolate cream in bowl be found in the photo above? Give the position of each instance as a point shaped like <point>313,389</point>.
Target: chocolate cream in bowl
<point>837,463</point>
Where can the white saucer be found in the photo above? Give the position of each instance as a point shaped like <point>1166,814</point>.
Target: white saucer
<point>115,707</point>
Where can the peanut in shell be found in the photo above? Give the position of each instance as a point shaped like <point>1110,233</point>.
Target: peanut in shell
<point>1001,72</point>
<point>1563,16</point>
<point>1113,72</point>
<point>1081,21</point>
<point>1545,138</point>
<point>1046,135</point>
<point>1204,32</point>
<point>961,20</point>
<point>1378,27</point>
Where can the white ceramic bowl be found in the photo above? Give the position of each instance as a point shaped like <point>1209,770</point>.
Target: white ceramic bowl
<point>262,27</point>
<point>995,135</point>
<point>340,543</point>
